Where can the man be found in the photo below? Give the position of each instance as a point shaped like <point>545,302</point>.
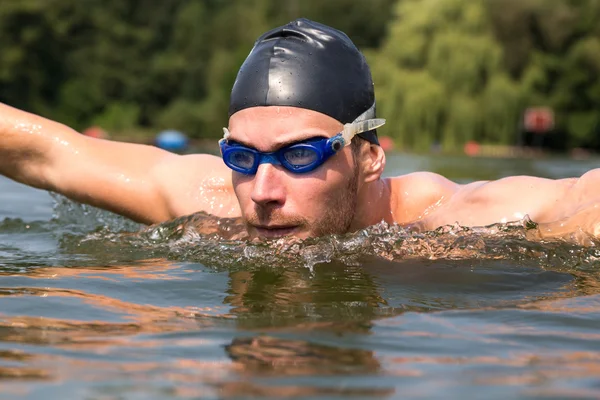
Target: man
<point>301,158</point>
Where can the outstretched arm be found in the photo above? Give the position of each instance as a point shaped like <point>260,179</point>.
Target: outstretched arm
<point>561,206</point>
<point>128,179</point>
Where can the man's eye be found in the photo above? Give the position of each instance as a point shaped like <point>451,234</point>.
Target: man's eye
<point>242,159</point>
<point>301,156</point>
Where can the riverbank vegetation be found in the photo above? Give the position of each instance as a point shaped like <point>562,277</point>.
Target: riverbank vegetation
<point>446,71</point>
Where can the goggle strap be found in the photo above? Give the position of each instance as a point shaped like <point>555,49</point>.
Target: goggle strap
<point>226,133</point>
<point>354,128</point>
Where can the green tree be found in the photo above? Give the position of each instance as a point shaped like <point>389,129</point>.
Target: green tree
<point>554,50</point>
<point>441,69</point>
<point>446,71</point>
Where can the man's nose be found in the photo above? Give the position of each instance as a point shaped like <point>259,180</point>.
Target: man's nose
<point>268,188</point>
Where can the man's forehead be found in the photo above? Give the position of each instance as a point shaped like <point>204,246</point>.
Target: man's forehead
<point>268,127</point>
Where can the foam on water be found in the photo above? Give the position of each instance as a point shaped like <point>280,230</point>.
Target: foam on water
<point>517,241</point>
<point>222,242</point>
<point>201,237</point>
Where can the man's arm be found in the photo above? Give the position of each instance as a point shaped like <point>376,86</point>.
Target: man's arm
<point>545,201</point>
<point>562,206</point>
<point>129,179</point>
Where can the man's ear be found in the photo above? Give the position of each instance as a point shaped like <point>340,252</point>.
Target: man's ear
<point>372,162</point>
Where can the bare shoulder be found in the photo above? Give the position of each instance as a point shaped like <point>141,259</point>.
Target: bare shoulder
<point>512,185</point>
<point>434,200</point>
<point>196,182</point>
<point>418,192</point>
<point>590,182</point>
<point>524,189</point>
<point>512,198</point>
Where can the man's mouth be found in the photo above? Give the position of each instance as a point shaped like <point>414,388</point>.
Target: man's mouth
<point>275,231</point>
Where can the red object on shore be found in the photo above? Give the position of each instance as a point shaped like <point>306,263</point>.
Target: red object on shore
<point>95,132</point>
<point>472,148</point>
<point>539,120</point>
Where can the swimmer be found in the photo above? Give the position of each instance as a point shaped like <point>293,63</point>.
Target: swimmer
<point>300,157</point>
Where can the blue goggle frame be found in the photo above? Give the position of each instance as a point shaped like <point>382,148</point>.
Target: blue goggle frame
<point>320,149</point>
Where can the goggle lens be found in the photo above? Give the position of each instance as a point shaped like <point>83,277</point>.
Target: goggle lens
<point>241,158</point>
<point>300,156</point>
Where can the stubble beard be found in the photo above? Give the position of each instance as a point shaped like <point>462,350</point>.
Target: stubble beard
<point>339,213</point>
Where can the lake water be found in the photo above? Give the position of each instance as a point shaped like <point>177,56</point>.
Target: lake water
<point>90,312</point>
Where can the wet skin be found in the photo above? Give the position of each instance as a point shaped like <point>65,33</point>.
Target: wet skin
<point>150,185</point>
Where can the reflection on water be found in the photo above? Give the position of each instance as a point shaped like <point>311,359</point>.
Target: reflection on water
<point>177,311</point>
<point>267,356</point>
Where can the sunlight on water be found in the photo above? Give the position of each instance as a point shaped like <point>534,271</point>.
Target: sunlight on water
<point>112,307</point>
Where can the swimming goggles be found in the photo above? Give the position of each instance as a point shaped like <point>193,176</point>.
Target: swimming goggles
<point>299,157</point>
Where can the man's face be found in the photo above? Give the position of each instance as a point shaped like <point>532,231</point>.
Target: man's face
<point>276,202</point>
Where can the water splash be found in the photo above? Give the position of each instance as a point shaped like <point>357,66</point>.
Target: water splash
<point>222,242</point>
<point>80,218</point>
<point>204,238</point>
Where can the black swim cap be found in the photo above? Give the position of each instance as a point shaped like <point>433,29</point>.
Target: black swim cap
<point>308,65</point>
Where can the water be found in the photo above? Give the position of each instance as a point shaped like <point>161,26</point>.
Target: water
<point>88,311</point>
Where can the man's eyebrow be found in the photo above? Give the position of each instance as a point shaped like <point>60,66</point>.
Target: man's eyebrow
<point>242,143</point>
<point>279,145</point>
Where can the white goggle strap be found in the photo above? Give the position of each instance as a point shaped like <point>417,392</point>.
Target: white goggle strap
<point>226,134</point>
<point>354,128</point>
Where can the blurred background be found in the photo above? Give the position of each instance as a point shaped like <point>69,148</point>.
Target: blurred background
<point>450,75</point>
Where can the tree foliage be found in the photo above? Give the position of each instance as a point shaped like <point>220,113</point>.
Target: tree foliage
<point>446,71</point>
<point>444,76</point>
